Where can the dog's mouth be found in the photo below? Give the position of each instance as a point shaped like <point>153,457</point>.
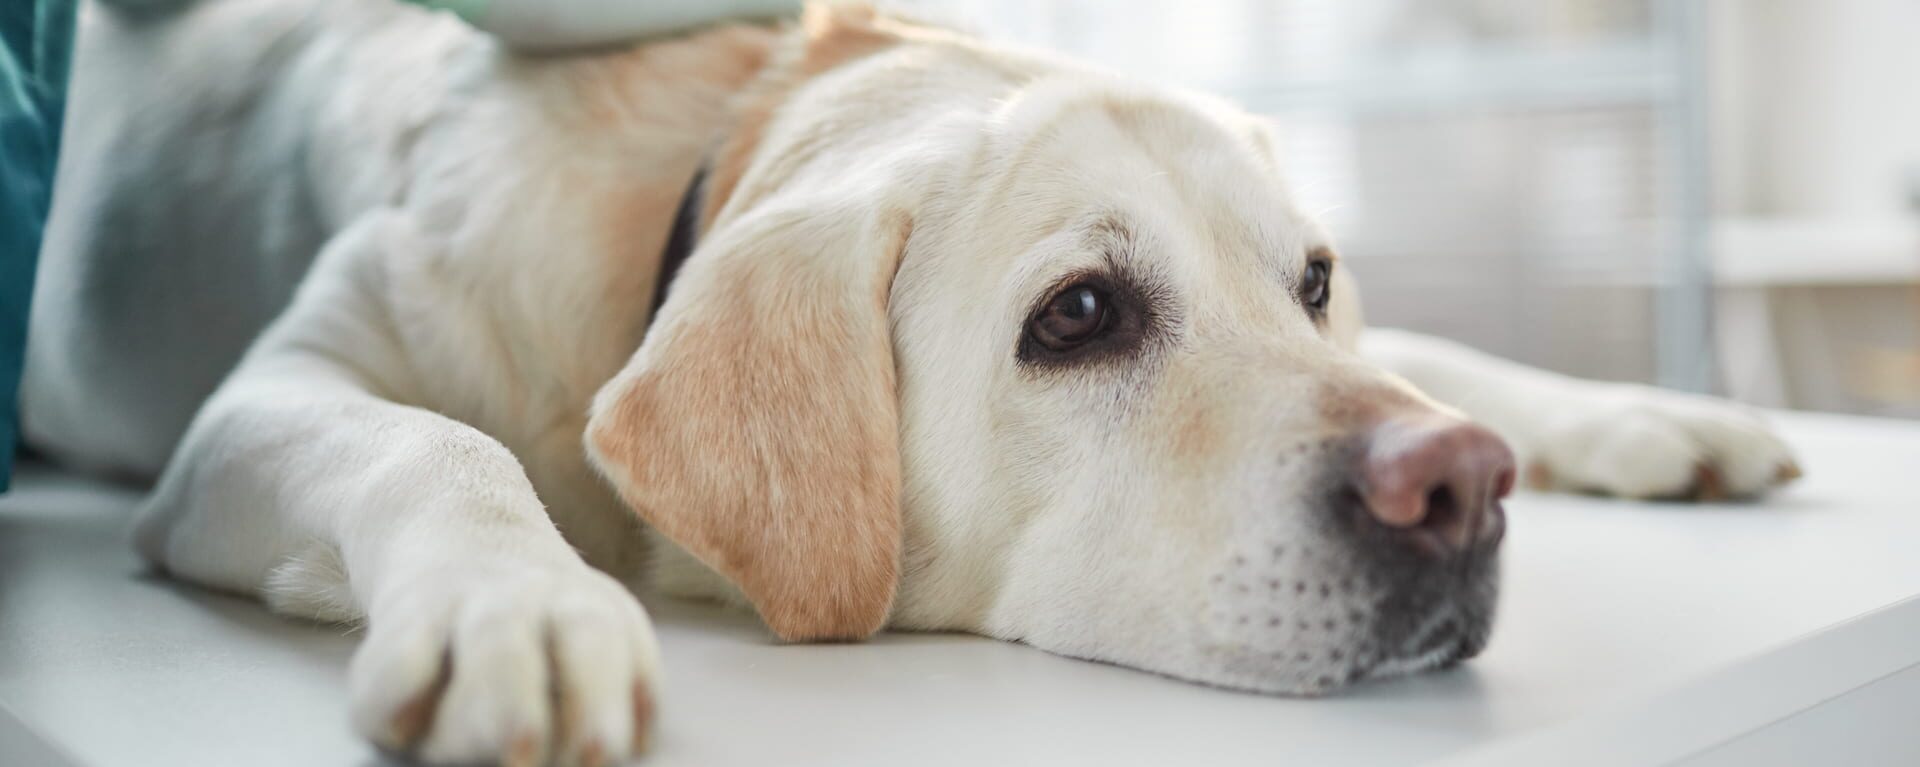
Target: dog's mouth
<point>1444,637</point>
<point>1354,617</point>
<point>1428,611</point>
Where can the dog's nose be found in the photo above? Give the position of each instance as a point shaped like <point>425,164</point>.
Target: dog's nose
<point>1437,481</point>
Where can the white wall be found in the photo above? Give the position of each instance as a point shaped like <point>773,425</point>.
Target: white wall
<point>1816,107</point>
<point>1816,149</point>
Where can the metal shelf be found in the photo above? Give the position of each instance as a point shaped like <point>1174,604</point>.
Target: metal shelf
<point>1621,73</point>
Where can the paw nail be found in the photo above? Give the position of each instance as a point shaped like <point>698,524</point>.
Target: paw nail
<point>594,755</point>
<point>411,722</point>
<point>1539,477</point>
<point>1786,472</point>
<point>524,751</point>
<point>1707,484</point>
<point>642,717</point>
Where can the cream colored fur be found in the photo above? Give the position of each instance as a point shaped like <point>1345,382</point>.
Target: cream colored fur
<point>453,430</point>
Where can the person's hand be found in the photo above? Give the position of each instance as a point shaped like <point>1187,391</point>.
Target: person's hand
<point>562,24</point>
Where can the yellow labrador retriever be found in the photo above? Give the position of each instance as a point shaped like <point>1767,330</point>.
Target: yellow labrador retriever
<point>966,338</point>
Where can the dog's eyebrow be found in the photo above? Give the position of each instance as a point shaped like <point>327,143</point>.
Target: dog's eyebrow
<point>1121,245</point>
<point>1110,229</point>
<point>1117,241</point>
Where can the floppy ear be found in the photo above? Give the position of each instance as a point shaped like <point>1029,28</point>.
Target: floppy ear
<point>757,424</point>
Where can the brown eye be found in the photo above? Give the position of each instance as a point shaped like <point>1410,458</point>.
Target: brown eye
<point>1314,289</point>
<point>1072,317</point>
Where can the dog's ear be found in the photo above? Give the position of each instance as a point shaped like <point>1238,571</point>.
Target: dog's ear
<point>757,424</point>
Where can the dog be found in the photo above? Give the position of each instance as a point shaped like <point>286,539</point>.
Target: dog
<point>854,322</point>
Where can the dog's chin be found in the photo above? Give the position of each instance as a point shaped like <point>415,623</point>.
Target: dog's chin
<point>1412,631</point>
<point>1457,638</point>
<point>1283,674</point>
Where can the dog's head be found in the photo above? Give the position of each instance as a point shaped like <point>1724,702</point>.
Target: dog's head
<point>981,341</point>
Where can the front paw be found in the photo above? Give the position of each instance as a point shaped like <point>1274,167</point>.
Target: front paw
<point>1641,442</point>
<point>510,666</point>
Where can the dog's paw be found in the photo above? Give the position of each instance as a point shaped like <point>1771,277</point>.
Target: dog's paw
<point>1641,442</point>
<point>527,666</point>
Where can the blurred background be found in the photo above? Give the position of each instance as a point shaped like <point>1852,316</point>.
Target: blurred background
<point>1715,195</point>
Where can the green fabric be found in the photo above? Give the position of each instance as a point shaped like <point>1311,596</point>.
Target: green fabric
<point>470,10</point>
<point>36,47</point>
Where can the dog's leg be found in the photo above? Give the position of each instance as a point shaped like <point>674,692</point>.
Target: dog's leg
<point>308,481</point>
<point>1620,439</point>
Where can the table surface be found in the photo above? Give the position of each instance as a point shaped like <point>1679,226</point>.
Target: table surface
<point>1639,632</point>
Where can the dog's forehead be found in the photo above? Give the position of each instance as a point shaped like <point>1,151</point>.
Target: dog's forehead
<point>1194,178</point>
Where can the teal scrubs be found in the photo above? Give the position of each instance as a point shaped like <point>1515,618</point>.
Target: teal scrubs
<point>36,47</point>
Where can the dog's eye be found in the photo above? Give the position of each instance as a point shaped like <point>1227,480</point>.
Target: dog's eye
<point>1072,317</point>
<point>1314,288</point>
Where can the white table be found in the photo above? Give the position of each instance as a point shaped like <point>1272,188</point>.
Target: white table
<point>1629,632</point>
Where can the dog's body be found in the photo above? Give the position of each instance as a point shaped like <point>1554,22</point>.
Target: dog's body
<point>822,421</point>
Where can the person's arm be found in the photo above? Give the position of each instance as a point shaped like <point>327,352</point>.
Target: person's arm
<point>562,24</point>
<point>36,47</point>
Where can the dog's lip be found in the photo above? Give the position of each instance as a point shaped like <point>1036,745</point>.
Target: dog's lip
<point>1448,631</point>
